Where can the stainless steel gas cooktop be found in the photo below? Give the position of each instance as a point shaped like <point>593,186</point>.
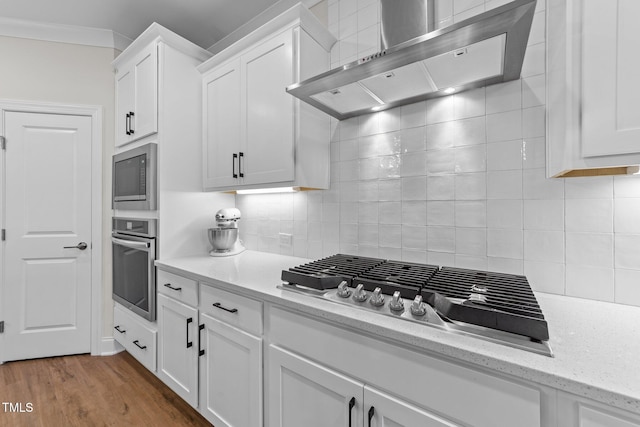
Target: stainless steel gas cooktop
<point>492,306</point>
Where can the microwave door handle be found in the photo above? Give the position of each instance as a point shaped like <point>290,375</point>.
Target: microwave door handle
<point>130,243</point>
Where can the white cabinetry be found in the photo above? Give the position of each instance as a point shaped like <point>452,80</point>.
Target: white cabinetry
<point>255,135</point>
<point>178,335</point>
<point>137,96</point>
<point>592,110</point>
<point>574,411</point>
<point>304,393</point>
<point>231,359</point>
<point>418,389</point>
<point>136,335</point>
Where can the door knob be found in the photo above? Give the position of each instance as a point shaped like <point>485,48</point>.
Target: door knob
<point>82,246</point>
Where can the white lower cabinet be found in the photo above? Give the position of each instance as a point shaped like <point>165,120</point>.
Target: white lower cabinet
<point>304,393</point>
<point>574,411</point>
<point>230,375</point>
<point>177,348</point>
<point>136,335</point>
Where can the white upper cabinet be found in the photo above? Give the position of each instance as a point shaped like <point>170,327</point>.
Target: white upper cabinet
<point>256,135</point>
<point>592,110</point>
<point>137,96</point>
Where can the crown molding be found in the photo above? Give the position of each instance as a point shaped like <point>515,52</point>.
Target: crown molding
<point>72,34</point>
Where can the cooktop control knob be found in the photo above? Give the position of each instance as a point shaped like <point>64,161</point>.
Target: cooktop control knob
<point>377,299</point>
<point>418,308</point>
<point>343,290</point>
<point>397,303</point>
<point>359,294</point>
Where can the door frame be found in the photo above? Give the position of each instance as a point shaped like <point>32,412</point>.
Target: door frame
<point>96,113</point>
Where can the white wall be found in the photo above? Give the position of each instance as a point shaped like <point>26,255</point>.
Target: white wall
<point>459,181</point>
<point>70,74</point>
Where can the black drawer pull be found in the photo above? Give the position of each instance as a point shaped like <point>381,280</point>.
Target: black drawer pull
<point>168,285</point>
<point>352,403</point>
<point>200,350</point>
<point>127,122</point>
<point>372,411</point>
<point>189,343</point>
<point>141,347</point>
<point>240,164</point>
<point>233,165</point>
<point>230,310</point>
<point>117,328</point>
<point>131,122</point>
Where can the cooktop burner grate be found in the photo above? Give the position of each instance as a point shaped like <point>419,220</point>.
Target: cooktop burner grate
<point>328,273</point>
<point>393,276</point>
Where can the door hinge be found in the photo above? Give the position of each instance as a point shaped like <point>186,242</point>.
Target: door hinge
<point>3,142</point>
<point>1,326</point>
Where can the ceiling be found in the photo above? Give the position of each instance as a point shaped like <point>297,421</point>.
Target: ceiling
<point>204,22</point>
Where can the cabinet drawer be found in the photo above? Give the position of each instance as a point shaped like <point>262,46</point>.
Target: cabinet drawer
<point>178,287</point>
<point>241,312</point>
<point>136,337</point>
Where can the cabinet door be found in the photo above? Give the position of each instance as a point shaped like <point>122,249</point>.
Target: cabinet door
<point>125,104</point>
<point>611,88</point>
<point>575,411</point>
<point>230,375</point>
<point>178,348</point>
<point>382,410</point>
<point>221,131</point>
<point>145,69</point>
<point>268,155</point>
<point>302,393</point>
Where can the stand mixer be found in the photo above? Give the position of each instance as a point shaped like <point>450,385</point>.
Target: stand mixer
<point>224,236</point>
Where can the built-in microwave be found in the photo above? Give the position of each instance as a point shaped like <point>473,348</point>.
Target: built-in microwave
<point>134,178</point>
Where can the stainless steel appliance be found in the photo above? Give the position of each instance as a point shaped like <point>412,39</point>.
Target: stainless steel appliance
<point>134,252</point>
<point>493,306</point>
<point>419,61</point>
<point>134,178</point>
<point>224,236</point>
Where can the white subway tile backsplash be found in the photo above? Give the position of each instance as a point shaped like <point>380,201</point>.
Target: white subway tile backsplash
<point>470,159</point>
<point>414,213</point>
<point>534,91</point>
<point>589,215</point>
<point>534,60</point>
<point>368,212</point>
<point>544,246</point>
<point>589,188</point>
<point>414,188</point>
<point>437,212</point>
<point>505,214</point>
<point>506,155</point>
<point>471,262</point>
<point>626,186</point>
<point>414,237</point>
<point>347,7</point>
<point>469,104</point>
<point>469,131</point>
<point>367,16</point>
<point>414,164</point>
<point>533,122</point>
<point>348,234</point>
<point>441,258</point>
<point>390,236</point>
<point>368,235</point>
<point>414,139</point>
<point>544,215</point>
<point>390,120</point>
<point>441,239</point>
<point>627,251</point>
<point>390,253</point>
<point>440,135</point>
<point>471,186</point>
<point>504,184</point>
<point>472,213</point>
<point>626,219</point>
<point>506,265</point>
<point>390,212</point>
<point>591,249</point>
<point>504,126</point>
<point>545,276</point>
<point>533,153</point>
<point>590,282</point>
<point>389,190</point>
<point>440,187</point>
<point>348,150</point>
<point>471,241</point>
<point>505,243</point>
<point>627,287</point>
<point>504,97</point>
<point>439,110</point>
<point>414,115</point>
<point>536,185</point>
<point>441,161</point>
<point>414,255</point>
<point>348,25</point>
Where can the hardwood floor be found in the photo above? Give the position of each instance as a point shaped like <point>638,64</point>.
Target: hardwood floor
<point>86,390</point>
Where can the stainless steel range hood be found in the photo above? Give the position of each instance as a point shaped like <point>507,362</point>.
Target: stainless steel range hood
<point>482,50</point>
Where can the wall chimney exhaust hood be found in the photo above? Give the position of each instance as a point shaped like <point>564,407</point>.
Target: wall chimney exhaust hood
<point>420,64</point>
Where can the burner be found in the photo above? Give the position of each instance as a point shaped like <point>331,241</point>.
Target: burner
<point>496,306</point>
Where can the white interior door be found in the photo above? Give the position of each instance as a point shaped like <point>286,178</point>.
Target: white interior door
<point>47,292</point>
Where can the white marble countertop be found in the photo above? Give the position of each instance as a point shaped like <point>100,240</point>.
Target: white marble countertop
<point>595,344</point>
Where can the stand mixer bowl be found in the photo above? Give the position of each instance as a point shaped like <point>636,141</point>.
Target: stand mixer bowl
<point>223,239</point>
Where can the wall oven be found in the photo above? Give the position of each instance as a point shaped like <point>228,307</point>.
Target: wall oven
<point>134,252</point>
<point>134,178</point>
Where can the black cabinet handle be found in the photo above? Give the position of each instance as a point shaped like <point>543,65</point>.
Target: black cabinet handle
<point>189,343</point>
<point>200,350</point>
<point>233,165</point>
<point>372,412</point>
<point>352,403</point>
<point>240,164</point>
<point>127,124</point>
<point>230,310</point>
<point>117,328</point>
<point>168,285</point>
<point>131,122</point>
<point>141,347</point>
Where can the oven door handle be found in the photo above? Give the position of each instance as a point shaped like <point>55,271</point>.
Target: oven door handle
<point>130,243</point>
